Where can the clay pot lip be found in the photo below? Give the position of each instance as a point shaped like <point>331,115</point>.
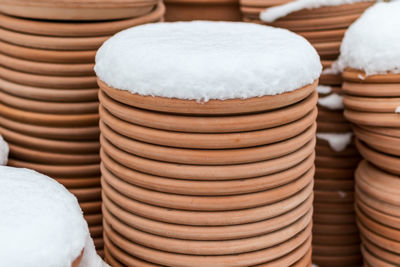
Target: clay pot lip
<point>354,75</point>
<point>202,2</point>
<point>212,107</point>
<point>376,204</point>
<point>86,194</point>
<point>371,89</point>
<point>333,127</point>
<point>390,132</point>
<point>80,29</point>
<point>333,196</point>
<point>383,143</point>
<point>77,4</point>
<point>372,118</point>
<point>335,162</point>
<point>372,104</point>
<point>220,124</point>
<point>390,257</point>
<point>76,183</point>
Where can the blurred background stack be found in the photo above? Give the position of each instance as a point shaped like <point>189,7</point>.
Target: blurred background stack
<point>48,90</point>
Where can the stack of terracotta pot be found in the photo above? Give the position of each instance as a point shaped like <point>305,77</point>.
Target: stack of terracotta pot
<point>186,10</point>
<point>48,90</point>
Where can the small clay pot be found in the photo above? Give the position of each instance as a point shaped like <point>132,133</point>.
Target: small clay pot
<point>204,218</point>
<point>373,119</point>
<point>332,173</point>
<point>371,104</point>
<point>385,243</point>
<point>383,254</point>
<point>358,76</point>
<point>336,240</point>
<point>376,204</point>
<point>382,143</point>
<point>347,250</point>
<point>333,196</point>
<point>371,89</point>
<point>212,107</point>
<point>332,229</point>
<point>326,218</point>
<point>210,140</point>
<point>209,124</point>
<point>71,183</point>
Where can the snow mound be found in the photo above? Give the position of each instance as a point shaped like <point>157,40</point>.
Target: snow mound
<point>274,13</point>
<point>332,101</point>
<point>324,89</point>
<point>337,141</point>
<point>41,223</point>
<point>4,150</point>
<point>203,60</point>
<point>372,43</point>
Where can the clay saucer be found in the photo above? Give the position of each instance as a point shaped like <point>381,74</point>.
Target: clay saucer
<point>386,162</point>
<point>48,107</point>
<point>382,143</point>
<point>335,162</point>
<point>373,260</point>
<point>336,127</point>
<point>336,240</point>
<point>372,104</point>
<point>335,229</point>
<point>333,196</point>
<point>50,56</point>
<point>208,124</point>
<point>57,133</point>
<point>86,194</point>
<point>38,156</point>
<point>84,29</point>
<point>378,240</point>
<point>263,3</point>
<point>67,147</point>
<point>349,151</point>
<point>376,204</point>
<point>359,76</point>
<point>213,188</point>
<point>373,119</point>
<point>332,173</point>
<point>204,233</point>
<point>207,156</point>
<point>91,207</point>
<point>375,90</point>
<point>326,115</point>
<point>383,254</point>
<point>96,231</point>
<point>58,170</point>
<point>346,250</point>
<point>94,219</point>
<point>79,182</point>
<point>207,203</point>
<point>335,208</point>
<point>204,218</point>
<point>328,48</point>
<point>388,131</point>
<point>59,82</point>
<point>330,79</point>
<point>50,42</point>
<point>378,216</point>
<point>212,107</point>
<point>243,259</point>
<point>336,185</point>
<point>335,35</point>
<point>331,261</point>
<point>112,253</point>
<point>209,247</point>
<point>210,140</point>
<point>207,172</point>
<point>325,218</point>
<point>98,242</point>
<point>49,119</point>
<point>305,260</point>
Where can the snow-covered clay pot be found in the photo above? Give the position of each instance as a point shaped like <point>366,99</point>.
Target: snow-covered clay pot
<point>211,160</point>
<point>56,235</point>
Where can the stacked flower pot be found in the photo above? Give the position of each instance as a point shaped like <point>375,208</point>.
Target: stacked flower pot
<point>335,235</point>
<point>204,176</point>
<point>48,90</point>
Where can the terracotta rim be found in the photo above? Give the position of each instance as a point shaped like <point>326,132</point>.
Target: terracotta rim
<point>96,231</point>
<point>373,119</point>
<point>91,207</point>
<point>376,204</point>
<point>340,185</point>
<point>353,75</point>
<point>378,216</point>
<point>383,143</point>
<point>330,79</point>
<point>372,90</point>
<point>384,254</point>
<point>315,37</point>
<point>86,194</point>
<point>329,173</point>
<point>336,240</point>
<point>386,131</point>
<point>210,140</point>
<point>372,259</point>
<point>207,156</point>
<point>81,183</point>
<point>212,107</point>
<point>331,229</point>
<point>203,218</point>
<point>333,196</point>
<point>334,218</point>
<point>335,162</point>
<point>353,260</point>
<point>192,187</point>
<point>220,124</point>
<point>205,232</point>
<point>371,104</point>
<point>198,172</point>
<point>326,115</point>
<point>333,127</point>
<point>334,208</point>
<point>346,250</point>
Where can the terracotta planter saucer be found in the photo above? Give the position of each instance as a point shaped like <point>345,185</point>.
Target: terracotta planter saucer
<point>243,259</point>
<point>331,229</point>
<point>388,256</point>
<point>376,204</point>
<point>212,107</point>
<point>59,82</point>
<point>112,253</point>
<point>225,124</point>
<point>62,171</point>
<point>207,157</point>
<point>347,250</point>
<point>207,172</point>
<point>329,152</point>
<point>379,217</point>
<point>330,79</point>
<point>204,218</point>
<point>94,219</point>
<point>333,196</point>
<point>336,240</point>
<point>315,37</point>
<point>325,115</point>
<point>330,127</point>
<point>87,194</point>
<point>335,208</point>
<point>371,104</point>
<point>328,48</point>
<point>207,203</point>
<point>50,56</point>
<point>200,232</point>
<point>372,89</point>
<point>79,182</point>
<point>204,140</point>
<point>337,185</point>
<point>386,162</point>
<point>90,208</point>
<point>382,143</point>
<point>359,76</point>
<point>55,133</point>
<point>98,242</point>
<point>96,231</point>
<point>305,260</point>
<point>48,107</point>
<point>334,162</point>
<point>373,260</point>
<point>213,188</point>
<point>373,119</point>
<point>329,173</point>
<point>331,261</point>
<point>42,144</point>
<point>50,42</point>
<point>334,218</point>
<point>386,131</point>
<point>378,240</point>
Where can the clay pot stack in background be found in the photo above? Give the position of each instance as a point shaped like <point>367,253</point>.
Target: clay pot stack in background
<point>226,182</point>
<point>186,10</point>
<point>48,90</point>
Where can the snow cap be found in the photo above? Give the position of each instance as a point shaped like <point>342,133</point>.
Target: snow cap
<point>203,60</point>
<point>4,150</point>
<point>372,43</point>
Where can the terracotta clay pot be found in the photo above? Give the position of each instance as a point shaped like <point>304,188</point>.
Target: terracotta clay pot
<point>329,173</point>
<point>359,76</point>
<point>336,240</point>
<point>334,229</point>
<point>209,124</point>
<point>371,104</point>
<point>379,216</point>
<point>371,89</point>
<point>333,196</point>
<point>334,218</point>
<point>326,115</point>
<point>376,204</point>
<point>316,37</point>
<point>378,240</point>
<point>382,143</point>
<point>383,254</point>
<point>373,119</point>
<point>336,250</point>
<point>96,231</point>
<point>337,185</point>
<point>94,219</point>
<point>210,140</point>
<point>330,127</point>
<point>335,162</point>
<point>387,131</point>
<point>79,182</point>
<point>372,259</point>
<point>336,208</point>
<point>354,260</point>
<point>91,207</point>
<point>87,194</point>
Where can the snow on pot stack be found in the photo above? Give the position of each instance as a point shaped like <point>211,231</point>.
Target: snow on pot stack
<point>4,150</point>
<point>48,90</point>
<point>207,144</point>
<point>370,57</point>
<point>41,223</point>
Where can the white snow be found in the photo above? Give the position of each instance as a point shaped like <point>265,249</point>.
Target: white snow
<point>337,141</point>
<point>4,150</point>
<point>332,101</point>
<point>314,265</point>
<point>324,89</point>
<point>333,69</point>
<point>397,110</point>
<point>372,43</point>
<point>205,60</point>
<point>41,223</point>
<point>276,12</point>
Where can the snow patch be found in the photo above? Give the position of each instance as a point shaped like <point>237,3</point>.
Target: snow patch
<point>333,69</point>
<point>337,141</point>
<point>397,110</point>
<point>274,13</point>
<point>203,60</point>
<point>372,43</point>
<point>324,89</point>
<point>332,101</point>
<point>342,194</point>
<point>4,150</point>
